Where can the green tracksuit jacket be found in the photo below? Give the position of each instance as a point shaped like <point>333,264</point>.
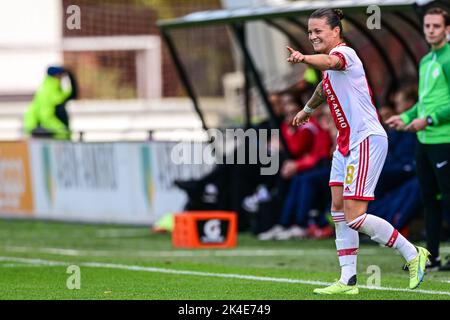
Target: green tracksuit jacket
<point>434,97</point>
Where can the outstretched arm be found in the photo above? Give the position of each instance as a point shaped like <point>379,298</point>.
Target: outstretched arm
<point>318,61</point>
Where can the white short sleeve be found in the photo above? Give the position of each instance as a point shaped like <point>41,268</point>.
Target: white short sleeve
<point>346,54</point>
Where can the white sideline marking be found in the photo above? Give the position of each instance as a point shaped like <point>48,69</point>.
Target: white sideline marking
<point>182,253</point>
<point>58,251</point>
<point>187,253</point>
<point>206,274</point>
<point>19,265</point>
<point>38,262</point>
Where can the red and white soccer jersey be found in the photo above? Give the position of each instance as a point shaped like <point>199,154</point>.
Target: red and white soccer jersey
<point>350,100</point>
<point>361,142</point>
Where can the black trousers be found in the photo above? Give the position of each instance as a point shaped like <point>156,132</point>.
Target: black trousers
<point>433,172</point>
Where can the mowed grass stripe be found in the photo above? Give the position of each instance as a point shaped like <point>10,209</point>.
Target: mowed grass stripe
<point>207,274</point>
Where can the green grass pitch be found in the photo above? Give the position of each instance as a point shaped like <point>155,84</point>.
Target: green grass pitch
<point>122,262</point>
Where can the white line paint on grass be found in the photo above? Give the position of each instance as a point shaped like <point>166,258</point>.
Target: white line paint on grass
<point>19,265</point>
<point>182,253</point>
<point>208,274</point>
<point>38,262</point>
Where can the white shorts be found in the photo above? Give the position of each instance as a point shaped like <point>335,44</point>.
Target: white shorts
<point>358,173</point>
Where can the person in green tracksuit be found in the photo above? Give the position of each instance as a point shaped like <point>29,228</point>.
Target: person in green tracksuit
<point>430,118</point>
<point>46,115</point>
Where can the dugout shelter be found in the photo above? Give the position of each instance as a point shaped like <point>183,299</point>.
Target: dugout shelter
<point>390,53</point>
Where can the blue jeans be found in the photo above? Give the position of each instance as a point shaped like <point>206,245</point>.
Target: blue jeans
<point>305,193</point>
<point>399,205</point>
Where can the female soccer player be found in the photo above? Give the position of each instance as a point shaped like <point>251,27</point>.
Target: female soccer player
<point>360,153</point>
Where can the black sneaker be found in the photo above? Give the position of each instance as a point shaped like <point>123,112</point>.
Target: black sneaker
<point>446,266</point>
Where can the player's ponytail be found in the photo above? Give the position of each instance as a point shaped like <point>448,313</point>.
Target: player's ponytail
<point>339,13</point>
<point>333,16</point>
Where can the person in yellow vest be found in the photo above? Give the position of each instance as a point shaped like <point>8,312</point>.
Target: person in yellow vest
<point>46,116</point>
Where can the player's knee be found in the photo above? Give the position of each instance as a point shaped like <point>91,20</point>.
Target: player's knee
<point>349,217</point>
<point>337,207</point>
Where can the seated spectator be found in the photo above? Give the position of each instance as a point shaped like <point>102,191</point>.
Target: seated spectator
<point>399,166</point>
<point>399,205</point>
<point>397,193</point>
<point>226,186</point>
<point>273,189</point>
<point>308,185</point>
<point>46,116</point>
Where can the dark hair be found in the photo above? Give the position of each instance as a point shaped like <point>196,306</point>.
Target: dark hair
<point>333,16</point>
<point>409,92</point>
<point>437,10</point>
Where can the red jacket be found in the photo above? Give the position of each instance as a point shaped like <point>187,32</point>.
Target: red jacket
<point>309,145</point>
<point>299,140</point>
